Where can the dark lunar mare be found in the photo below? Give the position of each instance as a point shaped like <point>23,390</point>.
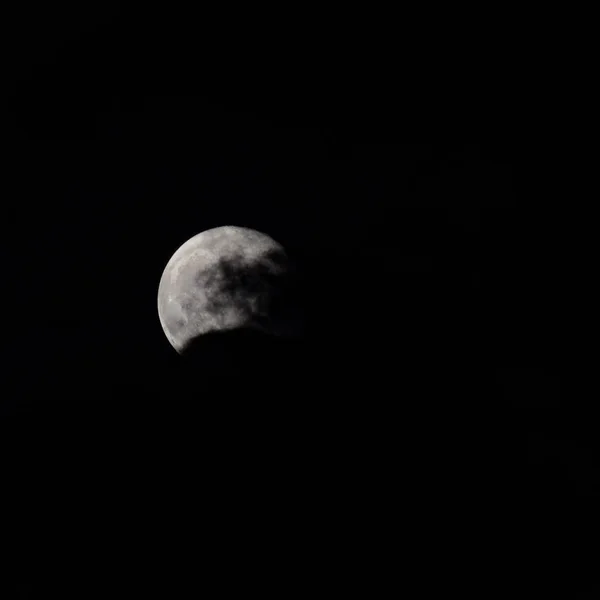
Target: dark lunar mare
<point>233,282</point>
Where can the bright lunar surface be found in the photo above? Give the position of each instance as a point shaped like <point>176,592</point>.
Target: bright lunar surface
<point>223,279</point>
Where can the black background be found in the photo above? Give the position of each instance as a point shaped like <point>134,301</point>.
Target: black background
<point>430,428</point>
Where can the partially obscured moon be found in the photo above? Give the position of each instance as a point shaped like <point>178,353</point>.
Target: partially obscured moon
<point>223,279</point>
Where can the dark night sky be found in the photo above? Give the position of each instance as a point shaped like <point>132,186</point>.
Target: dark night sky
<point>386,165</point>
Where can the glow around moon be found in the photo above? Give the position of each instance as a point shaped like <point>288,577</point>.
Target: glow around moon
<point>222,279</point>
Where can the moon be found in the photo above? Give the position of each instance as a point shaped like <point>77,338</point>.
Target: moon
<point>224,279</point>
